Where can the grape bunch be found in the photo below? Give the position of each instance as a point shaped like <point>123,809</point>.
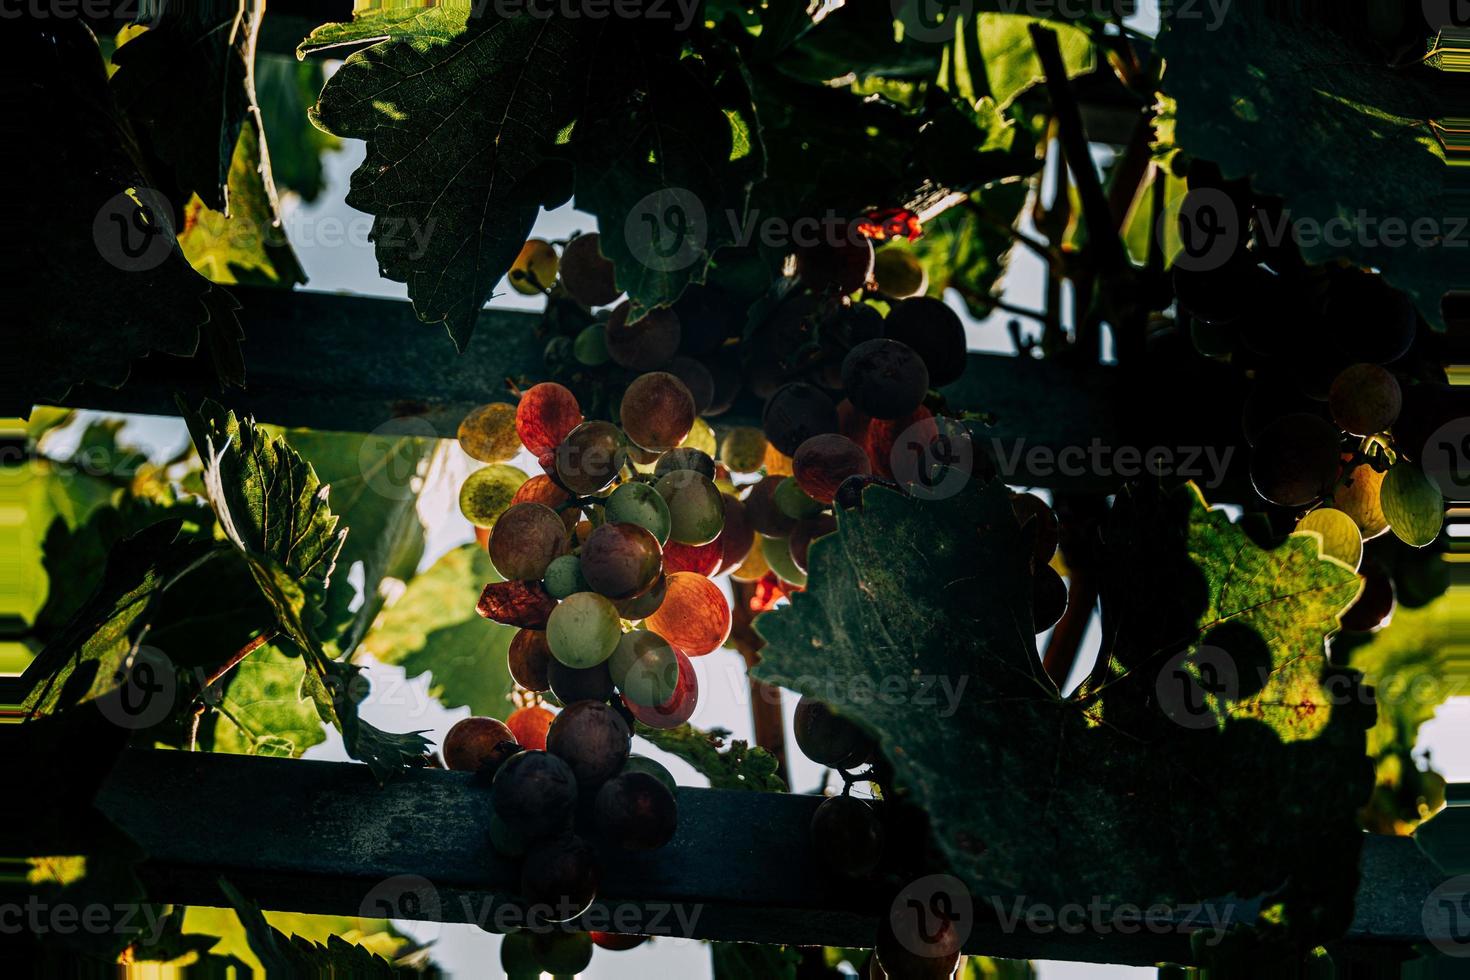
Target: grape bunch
<point>1344,386</point>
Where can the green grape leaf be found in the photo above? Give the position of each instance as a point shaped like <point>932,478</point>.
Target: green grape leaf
<point>439,24</point>
<point>286,89</point>
<point>666,154</point>
<point>375,935</point>
<point>262,713</point>
<point>1138,788</point>
<point>752,961</point>
<point>727,763</point>
<point>1412,504</point>
<point>107,283</point>
<point>187,84</point>
<point>249,245</point>
<point>1143,225</point>
<point>993,56</point>
<point>965,247</point>
<point>459,136</point>
<point>169,941</point>
<point>433,628</point>
<point>274,510</point>
<point>373,481</point>
<point>1338,133</point>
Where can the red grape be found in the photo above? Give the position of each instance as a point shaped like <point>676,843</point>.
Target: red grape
<point>643,606</point>
<point>586,274</point>
<point>795,413</point>
<point>593,739</point>
<point>935,333</point>
<point>524,604</point>
<point>657,411</point>
<point>529,658</point>
<point>1296,460</point>
<point>546,413</point>
<point>525,540</point>
<point>841,266</point>
<point>848,836</point>
<point>621,560</point>
<point>1037,519</point>
<point>677,709</point>
<point>701,559</point>
<point>823,462</point>
<point>697,378</point>
<point>694,616</point>
<point>534,792</point>
<point>737,538</point>
<point>1365,399</point>
<point>910,435</point>
<point>530,725</point>
<point>643,345</point>
<point>884,378</point>
<point>560,875</point>
<point>476,743</point>
<point>636,812</point>
<point>805,533</point>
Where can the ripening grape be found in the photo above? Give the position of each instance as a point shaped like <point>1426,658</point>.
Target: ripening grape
<point>564,577</point>
<point>743,449</point>
<point>701,438</point>
<point>645,668</point>
<point>589,458</point>
<point>529,725</point>
<point>1295,460</point>
<point>616,941</point>
<point>805,533</point>
<point>899,273</point>
<point>754,567</point>
<point>645,604</point>
<point>573,684</point>
<point>1341,538</point>
<point>654,768</point>
<point>884,379</point>
<point>562,953</point>
<point>1412,504</point>
<point>898,961</point>
<point>526,539</point>
<point>636,812</point>
<point>640,504</point>
<point>697,378</point>
<point>534,792</point>
<point>702,559</point>
<point>585,274</point>
<point>1370,320</point>
<point>935,333</point>
<point>545,415</point>
<point>487,493</point>
<point>1365,399</point>
<point>775,462</point>
<point>677,709</point>
<point>583,629</point>
<point>529,658</point>
<point>645,344</point>
<point>848,836</point>
<point>589,347</point>
<point>476,743</point>
<point>559,877</point>
<point>1374,604</point>
<point>763,512</point>
<point>685,458</point>
<point>488,433</point>
<point>906,438</point>
<point>1048,598</point>
<point>793,501</point>
<point>1358,496</point>
<point>1038,520</point>
<point>795,413</point>
<point>593,739</point>
<point>829,739</point>
<point>840,266</point>
<point>620,561</point>
<point>657,411</point>
<point>534,270</point>
<point>696,508</point>
<point>694,616</point>
<point>541,489</point>
<point>779,557</point>
<point>823,462</point>
<point>737,537</point>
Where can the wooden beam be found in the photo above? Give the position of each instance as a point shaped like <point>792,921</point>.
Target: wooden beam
<point>323,837</point>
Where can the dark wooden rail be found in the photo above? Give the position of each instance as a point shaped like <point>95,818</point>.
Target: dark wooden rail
<point>321,837</point>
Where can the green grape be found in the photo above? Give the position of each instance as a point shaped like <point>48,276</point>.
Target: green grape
<point>641,504</point>
<point>645,668</point>
<point>743,449</point>
<point>583,629</point>
<point>1341,538</point>
<point>590,346</point>
<point>794,502</point>
<point>685,458</point>
<point>564,577</point>
<point>488,433</point>
<point>779,557</point>
<point>1413,505</point>
<point>487,493</point>
<point>899,273</point>
<point>1365,399</point>
<point>701,437</point>
<point>696,509</point>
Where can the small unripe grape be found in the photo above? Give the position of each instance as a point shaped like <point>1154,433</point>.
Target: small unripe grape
<point>564,577</point>
<point>488,433</point>
<point>534,269</point>
<point>743,449</point>
<point>640,504</point>
<point>583,630</point>
<point>487,493</point>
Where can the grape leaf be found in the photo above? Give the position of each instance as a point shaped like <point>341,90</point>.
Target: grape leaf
<point>1342,136</point>
<point>439,23</point>
<point>262,713</point>
<point>107,283</point>
<point>728,763</point>
<point>459,133</point>
<point>666,150</point>
<point>187,84</point>
<point>433,628</point>
<point>916,624</point>
<point>272,507</point>
<point>752,961</point>
<point>993,55</point>
<point>285,90</point>
<point>248,245</point>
